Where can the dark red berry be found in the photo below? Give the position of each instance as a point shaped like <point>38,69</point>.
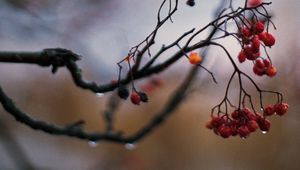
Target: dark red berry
<point>263,124</point>
<point>235,114</point>
<point>216,122</point>
<point>252,125</point>
<point>281,108</point>
<point>123,92</point>
<point>242,56</point>
<point>258,71</point>
<point>259,27</point>
<point>255,44</point>
<point>243,131</point>
<point>269,39</point>
<point>224,131</point>
<point>266,62</point>
<point>245,32</point>
<point>269,110</point>
<point>143,96</point>
<point>259,63</point>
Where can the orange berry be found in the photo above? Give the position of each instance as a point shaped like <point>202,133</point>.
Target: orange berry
<point>271,71</point>
<point>195,58</point>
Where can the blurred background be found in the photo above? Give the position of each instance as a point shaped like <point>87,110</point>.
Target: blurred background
<point>103,32</point>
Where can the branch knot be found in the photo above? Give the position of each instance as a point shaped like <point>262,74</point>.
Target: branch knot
<point>58,57</point>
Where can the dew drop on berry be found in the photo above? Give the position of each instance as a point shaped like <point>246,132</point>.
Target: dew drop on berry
<point>264,132</point>
<point>99,95</point>
<point>130,146</point>
<point>92,143</point>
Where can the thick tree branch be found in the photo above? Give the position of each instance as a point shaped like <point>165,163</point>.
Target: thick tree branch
<point>78,132</point>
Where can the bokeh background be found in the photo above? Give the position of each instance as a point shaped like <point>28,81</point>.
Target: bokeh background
<point>103,32</point>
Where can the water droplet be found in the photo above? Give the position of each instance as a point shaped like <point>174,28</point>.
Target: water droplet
<point>264,132</point>
<point>99,95</point>
<point>243,138</point>
<point>92,143</point>
<point>130,146</point>
<point>262,109</point>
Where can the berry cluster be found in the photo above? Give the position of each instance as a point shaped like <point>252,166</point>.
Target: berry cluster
<point>263,66</point>
<point>135,97</point>
<point>278,109</point>
<point>251,39</point>
<point>138,97</point>
<point>242,122</point>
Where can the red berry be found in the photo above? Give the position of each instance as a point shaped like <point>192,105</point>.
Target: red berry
<point>256,55</point>
<point>262,36</point>
<point>266,62</point>
<point>235,114</point>
<point>255,44</point>
<point>135,98</point>
<point>281,108</point>
<point>252,125</point>
<point>245,32</point>
<point>234,131</point>
<point>216,122</point>
<point>269,39</point>
<point>242,56</point>
<point>254,3</point>
<point>259,63</point>
<point>243,131</point>
<point>271,71</point>
<point>258,71</point>
<point>259,27</point>
<point>250,55</point>
<point>224,131</point>
<point>251,116</point>
<point>263,124</point>
<point>269,110</point>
